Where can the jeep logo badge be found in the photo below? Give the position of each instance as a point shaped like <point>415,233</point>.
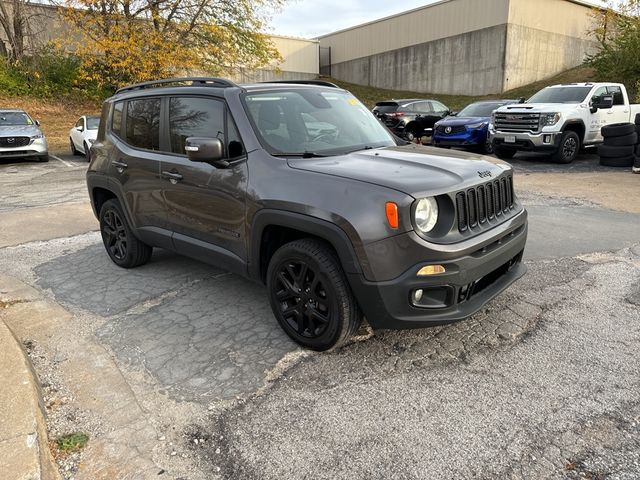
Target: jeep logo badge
<point>447,130</point>
<point>484,173</point>
<point>11,140</point>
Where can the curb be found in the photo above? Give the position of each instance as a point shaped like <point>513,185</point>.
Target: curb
<point>24,450</point>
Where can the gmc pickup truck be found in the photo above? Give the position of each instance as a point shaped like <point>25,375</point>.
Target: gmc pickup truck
<point>560,120</point>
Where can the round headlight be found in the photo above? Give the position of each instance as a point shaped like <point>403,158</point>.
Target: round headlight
<point>426,214</point>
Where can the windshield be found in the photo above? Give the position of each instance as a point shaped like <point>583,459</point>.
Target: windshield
<point>561,95</point>
<point>15,118</point>
<point>92,123</point>
<point>480,109</point>
<point>317,121</point>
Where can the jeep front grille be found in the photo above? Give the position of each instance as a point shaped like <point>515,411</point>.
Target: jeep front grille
<point>483,203</point>
<point>517,122</point>
<point>14,141</point>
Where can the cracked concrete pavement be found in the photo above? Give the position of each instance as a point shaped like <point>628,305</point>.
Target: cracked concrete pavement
<point>543,383</point>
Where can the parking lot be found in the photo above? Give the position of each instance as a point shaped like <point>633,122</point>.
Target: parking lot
<point>179,370</point>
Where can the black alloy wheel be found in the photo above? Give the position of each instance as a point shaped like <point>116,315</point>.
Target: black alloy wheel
<point>310,296</point>
<point>123,247</point>
<point>114,234</point>
<point>569,148</point>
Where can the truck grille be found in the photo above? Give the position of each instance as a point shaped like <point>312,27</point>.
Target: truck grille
<point>486,202</point>
<point>14,141</point>
<point>454,130</point>
<point>517,122</point>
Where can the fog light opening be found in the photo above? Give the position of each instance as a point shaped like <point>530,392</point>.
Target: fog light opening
<point>417,296</point>
<point>546,139</point>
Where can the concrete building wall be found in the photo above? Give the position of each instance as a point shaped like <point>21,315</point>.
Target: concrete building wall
<point>419,26</point>
<point>544,38</point>
<point>470,62</point>
<point>464,46</point>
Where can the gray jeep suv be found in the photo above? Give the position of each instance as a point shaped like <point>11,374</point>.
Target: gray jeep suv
<point>298,186</point>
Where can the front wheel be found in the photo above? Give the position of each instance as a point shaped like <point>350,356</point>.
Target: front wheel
<point>569,148</point>
<point>124,249</point>
<point>310,296</point>
<point>504,153</point>
<point>87,151</point>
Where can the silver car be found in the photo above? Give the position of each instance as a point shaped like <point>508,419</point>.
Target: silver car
<point>20,136</point>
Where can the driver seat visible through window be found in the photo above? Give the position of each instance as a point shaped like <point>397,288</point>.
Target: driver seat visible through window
<point>270,118</point>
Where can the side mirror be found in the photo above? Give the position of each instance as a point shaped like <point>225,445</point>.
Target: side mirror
<point>453,114</point>
<point>207,150</point>
<point>37,122</point>
<point>604,102</point>
<point>80,129</point>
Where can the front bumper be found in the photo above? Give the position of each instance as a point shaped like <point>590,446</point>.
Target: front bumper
<point>471,280</point>
<point>37,147</point>
<point>471,138</point>
<point>543,141</point>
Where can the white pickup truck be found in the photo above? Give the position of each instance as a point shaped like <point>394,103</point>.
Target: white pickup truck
<point>560,120</point>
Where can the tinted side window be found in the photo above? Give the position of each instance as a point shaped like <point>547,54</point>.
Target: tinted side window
<point>438,107</point>
<point>194,117</point>
<point>143,123</point>
<point>423,107</point>
<point>116,118</point>
<point>618,98</point>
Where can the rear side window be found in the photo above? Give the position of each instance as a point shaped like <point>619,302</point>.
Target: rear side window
<point>116,118</point>
<point>618,98</point>
<point>422,107</point>
<point>143,123</point>
<point>386,107</point>
<point>194,117</point>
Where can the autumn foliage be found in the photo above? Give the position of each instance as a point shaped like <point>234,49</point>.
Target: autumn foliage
<point>124,41</point>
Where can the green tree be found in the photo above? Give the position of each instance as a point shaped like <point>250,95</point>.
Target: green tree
<point>123,41</point>
<point>617,32</point>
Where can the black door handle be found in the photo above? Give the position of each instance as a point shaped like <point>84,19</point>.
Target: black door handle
<point>174,176</point>
<point>119,164</point>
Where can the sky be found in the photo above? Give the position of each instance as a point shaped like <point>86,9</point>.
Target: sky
<point>309,18</point>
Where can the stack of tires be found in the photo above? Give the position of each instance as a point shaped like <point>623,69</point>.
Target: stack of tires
<point>620,144</point>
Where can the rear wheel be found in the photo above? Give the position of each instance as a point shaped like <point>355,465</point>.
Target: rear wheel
<point>124,249</point>
<point>310,296</point>
<point>569,148</point>
<point>504,153</point>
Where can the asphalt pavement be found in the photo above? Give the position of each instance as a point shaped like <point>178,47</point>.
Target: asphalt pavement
<point>542,383</point>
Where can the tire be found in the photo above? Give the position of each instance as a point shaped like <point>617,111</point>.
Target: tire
<point>122,246</point>
<point>487,148</point>
<point>306,284</point>
<point>618,130</point>
<point>87,153</point>
<point>625,162</point>
<point>43,158</point>
<point>637,119</point>
<point>569,148</point>
<point>74,150</point>
<point>631,139</point>
<point>609,151</point>
<point>410,136</point>
<point>504,153</point>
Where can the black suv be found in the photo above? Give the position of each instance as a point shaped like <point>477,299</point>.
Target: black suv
<point>298,186</point>
<point>411,118</point>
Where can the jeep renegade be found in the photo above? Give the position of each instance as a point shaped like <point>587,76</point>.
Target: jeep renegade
<point>298,186</point>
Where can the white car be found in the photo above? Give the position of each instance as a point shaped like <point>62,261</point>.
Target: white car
<point>83,134</point>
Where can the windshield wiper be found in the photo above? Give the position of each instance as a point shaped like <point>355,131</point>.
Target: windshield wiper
<point>300,154</point>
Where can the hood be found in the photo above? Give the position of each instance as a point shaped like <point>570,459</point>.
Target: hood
<point>457,121</point>
<point>413,169</point>
<point>539,107</point>
<point>19,130</point>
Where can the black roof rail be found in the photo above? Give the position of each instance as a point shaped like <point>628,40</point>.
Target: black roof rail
<point>201,81</point>
<point>321,83</point>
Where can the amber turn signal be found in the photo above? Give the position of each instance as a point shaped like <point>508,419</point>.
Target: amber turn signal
<point>392,214</point>
<point>431,270</point>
